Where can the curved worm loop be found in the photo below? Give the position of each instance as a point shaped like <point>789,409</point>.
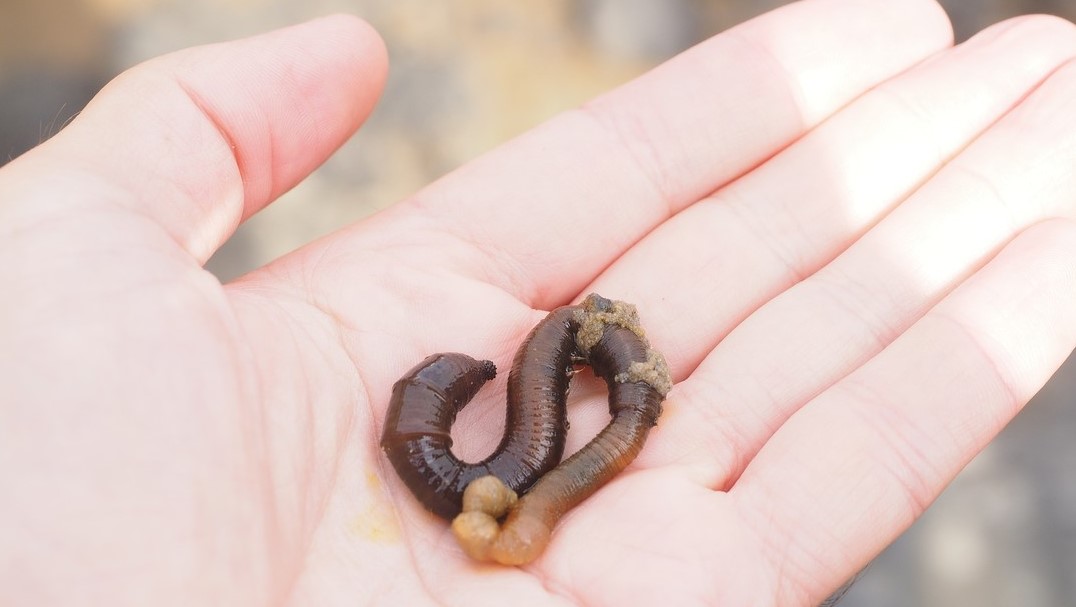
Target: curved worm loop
<point>638,380</point>
<point>426,400</point>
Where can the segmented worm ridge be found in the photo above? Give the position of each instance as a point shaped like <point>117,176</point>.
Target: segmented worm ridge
<point>602,333</point>
<point>426,400</point>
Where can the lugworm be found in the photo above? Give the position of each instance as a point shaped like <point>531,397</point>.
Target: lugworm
<point>426,400</point>
<point>603,333</point>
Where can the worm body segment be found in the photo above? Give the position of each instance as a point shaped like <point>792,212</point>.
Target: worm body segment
<point>602,333</point>
<point>426,400</point>
<point>638,380</point>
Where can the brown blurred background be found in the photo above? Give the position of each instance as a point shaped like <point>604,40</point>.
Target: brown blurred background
<point>470,74</point>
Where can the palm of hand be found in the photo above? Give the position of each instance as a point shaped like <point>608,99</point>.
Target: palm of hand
<point>223,439</point>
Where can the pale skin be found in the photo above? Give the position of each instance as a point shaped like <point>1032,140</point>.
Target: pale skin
<point>853,242</point>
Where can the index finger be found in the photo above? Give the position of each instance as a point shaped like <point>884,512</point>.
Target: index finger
<point>541,216</point>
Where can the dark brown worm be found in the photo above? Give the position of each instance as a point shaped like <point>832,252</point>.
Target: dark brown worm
<point>638,380</point>
<point>426,400</point>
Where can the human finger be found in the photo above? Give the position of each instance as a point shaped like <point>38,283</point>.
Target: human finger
<point>541,216</point>
<point>851,470</point>
<point>790,216</point>
<point>1016,174</point>
<point>198,140</point>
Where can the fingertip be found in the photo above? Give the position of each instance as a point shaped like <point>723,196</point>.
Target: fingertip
<point>344,67</point>
<point>1053,35</point>
<point>202,138</point>
<point>315,83</point>
<point>941,24</point>
<point>928,19</point>
<point>357,44</point>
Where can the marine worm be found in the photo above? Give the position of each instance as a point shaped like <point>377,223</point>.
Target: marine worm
<point>612,341</point>
<point>426,400</point>
<point>602,333</point>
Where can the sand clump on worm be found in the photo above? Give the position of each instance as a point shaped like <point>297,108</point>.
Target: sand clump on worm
<point>603,333</point>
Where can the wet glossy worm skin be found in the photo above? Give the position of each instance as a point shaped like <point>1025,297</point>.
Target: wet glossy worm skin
<point>602,333</point>
<point>426,400</point>
<point>638,380</point>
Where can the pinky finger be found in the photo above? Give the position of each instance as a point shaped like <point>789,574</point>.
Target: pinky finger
<point>856,466</point>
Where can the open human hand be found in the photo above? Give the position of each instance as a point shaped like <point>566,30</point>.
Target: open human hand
<point>852,241</point>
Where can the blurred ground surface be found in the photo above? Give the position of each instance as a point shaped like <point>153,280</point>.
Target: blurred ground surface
<point>467,75</point>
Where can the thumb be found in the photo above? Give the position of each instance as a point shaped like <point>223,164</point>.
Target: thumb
<point>201,139</point>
